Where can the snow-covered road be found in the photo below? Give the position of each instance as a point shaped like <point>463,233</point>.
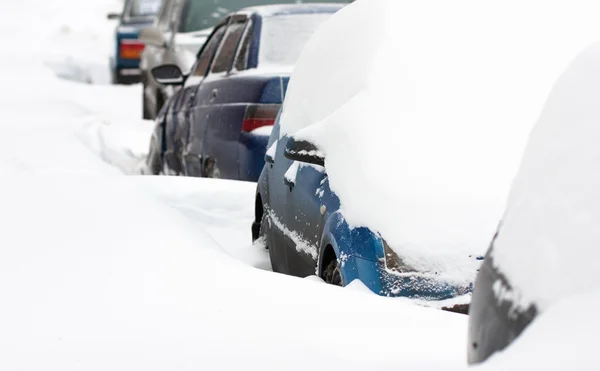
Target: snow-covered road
<point>100,270</point>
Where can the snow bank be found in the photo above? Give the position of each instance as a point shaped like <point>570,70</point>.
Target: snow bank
<point>224,209</point>
<point>423,124</point>
<point>77,41</point>
<point>99,275</point>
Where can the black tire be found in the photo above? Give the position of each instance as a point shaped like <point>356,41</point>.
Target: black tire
<point>333,274</point>
<point>160,102</point>
<point>154,160</point>
<point>114,77</point>
<point>210,169</point>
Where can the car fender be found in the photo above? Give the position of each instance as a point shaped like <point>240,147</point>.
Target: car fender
<point>358,251</point>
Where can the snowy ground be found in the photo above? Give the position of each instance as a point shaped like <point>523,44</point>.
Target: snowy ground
<point>104,271</point>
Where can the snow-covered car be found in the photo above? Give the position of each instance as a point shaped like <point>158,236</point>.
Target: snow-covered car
<point>539,282</point>
<point>398,140</point>
<point>125,62</point>
<point>218,124</point>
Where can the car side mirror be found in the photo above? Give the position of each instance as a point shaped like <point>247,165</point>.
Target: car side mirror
<point>303,151</point>
<point>152,36</point>
<point>168,74</point>
<point>113,16</point>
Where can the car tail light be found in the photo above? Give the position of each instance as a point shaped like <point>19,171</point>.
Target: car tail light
<point>260,115</point>
<point>130,49</point>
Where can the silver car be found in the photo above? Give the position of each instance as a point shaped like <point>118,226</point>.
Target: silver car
<point>180,30</point>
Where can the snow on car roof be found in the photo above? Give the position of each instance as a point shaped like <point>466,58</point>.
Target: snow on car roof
<point>548,243</point>
<point>424,110</point>
<point>283,9</point>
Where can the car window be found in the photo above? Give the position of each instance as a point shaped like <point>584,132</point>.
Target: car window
<point>226,53</point>
<point>208,52</point>
<point>241,62</point>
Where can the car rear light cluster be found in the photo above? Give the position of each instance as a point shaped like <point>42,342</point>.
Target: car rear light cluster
<point>130,49</point>
<point>260,115</point>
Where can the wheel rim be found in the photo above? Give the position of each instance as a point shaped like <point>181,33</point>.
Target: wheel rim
<point>336,278</point>
<point>333,274</point>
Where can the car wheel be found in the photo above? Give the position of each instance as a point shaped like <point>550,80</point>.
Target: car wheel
<point>154,160</point>
<point>160,101</point>
<point>210,168</point>
<point>333,274</point>
<point>114,76</point>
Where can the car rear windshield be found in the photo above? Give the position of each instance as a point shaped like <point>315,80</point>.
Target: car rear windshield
<point>144,8</point>
<point>284,36</point>
<point>201,14</point>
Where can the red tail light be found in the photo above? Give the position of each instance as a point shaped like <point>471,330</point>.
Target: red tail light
<point>130,49</point>
<point>259,115</point>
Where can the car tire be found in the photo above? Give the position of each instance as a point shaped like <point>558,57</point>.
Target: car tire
<point>160,101</point>
<point>333,274</point>
<point>154,161</point>
<point>210,169</point>
<point>114,77</point>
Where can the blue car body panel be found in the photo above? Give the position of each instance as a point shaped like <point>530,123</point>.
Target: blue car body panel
<point>303,227</point>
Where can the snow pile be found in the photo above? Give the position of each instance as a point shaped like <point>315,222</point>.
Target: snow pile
<point>77,42</point>
<point>424,124</point>
<point>553,213</point>
<point>224,209</point>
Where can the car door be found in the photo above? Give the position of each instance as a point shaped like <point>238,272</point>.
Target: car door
<point>293,209</point>
<point>196,113</point>
<point>304,216</point>
<point>276,165</point>
<point>224,109</point>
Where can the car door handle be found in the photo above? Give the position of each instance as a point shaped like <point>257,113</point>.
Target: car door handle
<point>289,183</point>
<point>269,159</point>
<point>214,93</point>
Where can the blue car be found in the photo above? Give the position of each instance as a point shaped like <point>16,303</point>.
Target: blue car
<point>218,124</point>
<point>298,219</point>
<point>137,14</point>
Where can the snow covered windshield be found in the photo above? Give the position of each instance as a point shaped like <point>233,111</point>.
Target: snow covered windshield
<point>284,36</point>
<point>423,115</point>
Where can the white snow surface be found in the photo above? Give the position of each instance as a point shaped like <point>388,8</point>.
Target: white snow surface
<point>423,113</point>
<point>102,271</point>
<point>547,245</point>
<point>284,36</point>
<point>563,338</point>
